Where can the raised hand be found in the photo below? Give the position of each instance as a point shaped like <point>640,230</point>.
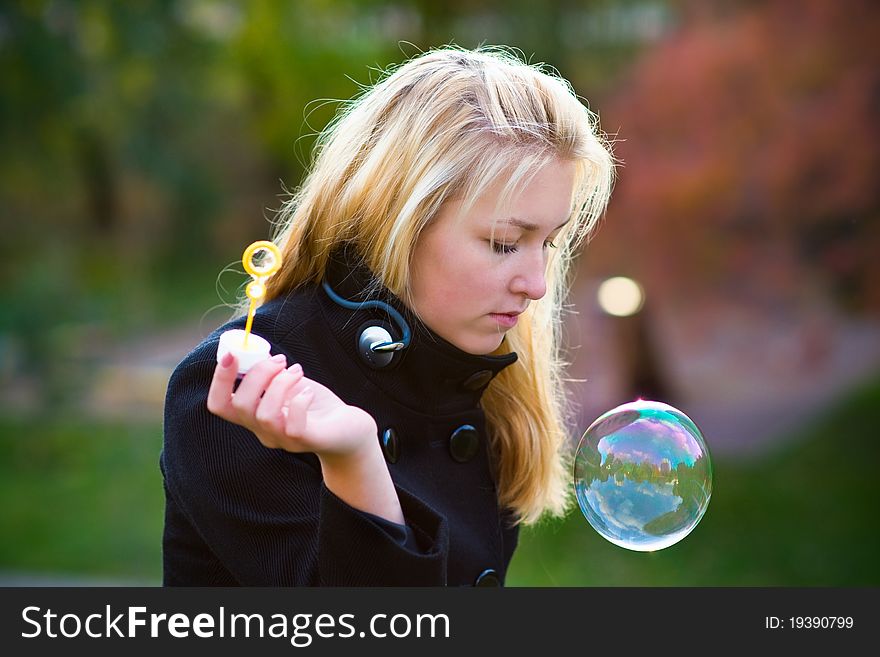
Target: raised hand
<point>287,410</point>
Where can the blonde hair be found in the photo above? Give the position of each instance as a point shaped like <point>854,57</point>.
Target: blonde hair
<point>446,125</point>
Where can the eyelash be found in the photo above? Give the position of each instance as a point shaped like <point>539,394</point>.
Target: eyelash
<point>506,249</point>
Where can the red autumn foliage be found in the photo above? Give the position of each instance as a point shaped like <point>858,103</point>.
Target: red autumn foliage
<point>750,147</point>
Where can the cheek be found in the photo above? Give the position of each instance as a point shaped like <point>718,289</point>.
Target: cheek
<point>459,282</point>
<point>448,287</point>
<point>479,282</point>
<point>436,284</point>
<point>455,291</point>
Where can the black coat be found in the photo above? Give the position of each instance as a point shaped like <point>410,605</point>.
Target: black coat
<point>238,513</point>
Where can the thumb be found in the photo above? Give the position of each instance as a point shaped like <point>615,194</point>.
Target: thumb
<point>220,392</point>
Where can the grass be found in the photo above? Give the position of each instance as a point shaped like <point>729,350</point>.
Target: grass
<point>803,516</point>
<point>85,499</point>
<point>81,498</point>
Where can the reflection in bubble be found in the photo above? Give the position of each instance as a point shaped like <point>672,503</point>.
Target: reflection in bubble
<point>643,476</point>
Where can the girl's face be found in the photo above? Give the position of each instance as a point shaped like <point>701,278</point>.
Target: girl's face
<point>469,289</point>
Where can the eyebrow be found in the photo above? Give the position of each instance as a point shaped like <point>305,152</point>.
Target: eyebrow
<point>525,225</point>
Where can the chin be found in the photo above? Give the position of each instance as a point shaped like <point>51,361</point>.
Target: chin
<point>481,346</point>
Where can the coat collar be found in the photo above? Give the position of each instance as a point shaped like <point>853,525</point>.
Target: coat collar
<point>430,375</point>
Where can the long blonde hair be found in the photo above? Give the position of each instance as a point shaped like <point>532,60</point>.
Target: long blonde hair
<point>446,125</point>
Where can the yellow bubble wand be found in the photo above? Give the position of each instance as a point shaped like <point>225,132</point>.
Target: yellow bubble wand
<point>260,272</point>
<point>261,260</point>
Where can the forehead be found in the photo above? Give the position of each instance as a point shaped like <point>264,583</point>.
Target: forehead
<point>541,201</point>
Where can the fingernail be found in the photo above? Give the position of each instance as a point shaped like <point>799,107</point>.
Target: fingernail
<point>279,358</point>
<point>296,368</point>
<point>226,360</point>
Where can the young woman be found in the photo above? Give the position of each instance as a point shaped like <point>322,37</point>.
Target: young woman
<point>413,415</point>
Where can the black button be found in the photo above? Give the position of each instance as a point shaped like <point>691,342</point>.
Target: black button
<point>488,578</point>
<point>477,380</point>
<point>390,445</point>
<point>463,443</point>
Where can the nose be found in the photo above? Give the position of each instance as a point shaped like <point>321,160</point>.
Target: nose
<point>531,280</point>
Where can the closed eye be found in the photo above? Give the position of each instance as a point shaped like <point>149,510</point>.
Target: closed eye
<point>502,248</point>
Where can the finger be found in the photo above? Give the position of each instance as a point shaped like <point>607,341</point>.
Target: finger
<point>254,383</point>
<point>269,410</point>
<point>297,413</point>
<point>220,392</point>
<point>301,384</point>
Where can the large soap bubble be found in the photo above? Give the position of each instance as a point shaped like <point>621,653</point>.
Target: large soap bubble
<point>643,476</point>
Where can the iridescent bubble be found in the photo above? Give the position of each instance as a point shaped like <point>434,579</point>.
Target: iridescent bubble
<point>643,476</point>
